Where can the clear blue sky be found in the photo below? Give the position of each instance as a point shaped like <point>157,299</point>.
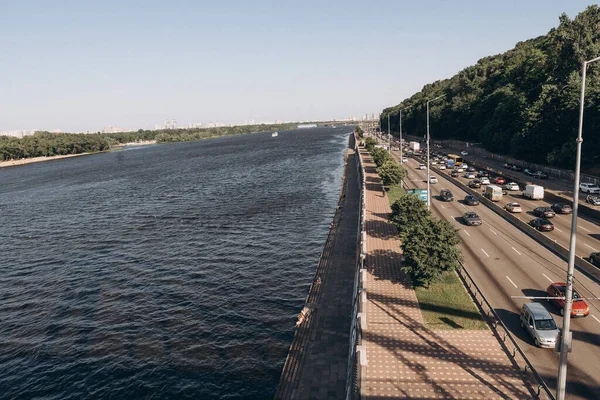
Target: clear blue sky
<point>83,65</point>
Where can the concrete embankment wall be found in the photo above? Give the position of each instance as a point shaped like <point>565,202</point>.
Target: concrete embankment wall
<point>317,362</point>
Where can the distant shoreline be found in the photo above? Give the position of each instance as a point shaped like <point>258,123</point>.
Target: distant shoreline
<point>31,160</point>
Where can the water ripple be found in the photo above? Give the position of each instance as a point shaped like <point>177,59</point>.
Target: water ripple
<point>168,272</point>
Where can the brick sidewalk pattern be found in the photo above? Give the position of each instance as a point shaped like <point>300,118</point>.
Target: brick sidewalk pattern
<point>405,358</point>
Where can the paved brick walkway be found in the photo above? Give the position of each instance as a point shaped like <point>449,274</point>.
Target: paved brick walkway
<point>405,358</point>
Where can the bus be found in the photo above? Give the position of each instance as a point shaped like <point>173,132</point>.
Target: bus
<point>458,160</point>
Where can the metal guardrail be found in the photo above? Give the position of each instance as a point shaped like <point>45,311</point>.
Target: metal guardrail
<point>357,355</point>
<point>503,333</point>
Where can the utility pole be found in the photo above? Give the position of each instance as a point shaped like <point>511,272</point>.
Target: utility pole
<point>566,339</point>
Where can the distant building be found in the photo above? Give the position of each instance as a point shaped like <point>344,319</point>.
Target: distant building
<point>19,132</point>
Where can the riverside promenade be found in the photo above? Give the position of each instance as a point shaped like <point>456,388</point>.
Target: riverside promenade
<point>405,358</point>
<point>317,363</point>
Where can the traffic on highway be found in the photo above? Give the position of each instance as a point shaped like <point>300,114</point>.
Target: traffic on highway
<point>509,265</point>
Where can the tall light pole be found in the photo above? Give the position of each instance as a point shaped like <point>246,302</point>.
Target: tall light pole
<point>566,340</point>
<point>389,136</point>
<point>400,137</point>
<point>428,183</point>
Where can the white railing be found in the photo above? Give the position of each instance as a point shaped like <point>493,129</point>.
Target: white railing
<point>357,356</point>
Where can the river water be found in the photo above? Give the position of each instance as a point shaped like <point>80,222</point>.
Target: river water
<point>165,271</point>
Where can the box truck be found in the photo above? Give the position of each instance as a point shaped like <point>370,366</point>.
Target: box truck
<point>414,146</point>
<point>493,192</point>
<point>534,192</point>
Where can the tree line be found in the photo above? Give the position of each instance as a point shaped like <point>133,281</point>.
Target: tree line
<point>429,245</point>
<point>524,102</point>
<point>46,144</point>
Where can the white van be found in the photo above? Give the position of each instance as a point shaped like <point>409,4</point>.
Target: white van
<point>536,320</point>
<point>534,192</point>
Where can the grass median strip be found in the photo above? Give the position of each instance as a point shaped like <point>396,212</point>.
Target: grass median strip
<point>445,304</point>
<point>395,192</point>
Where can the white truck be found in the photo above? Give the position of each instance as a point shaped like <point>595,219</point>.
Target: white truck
<point>493,192</point>
<point>414,146</point>
<point>534,192</point>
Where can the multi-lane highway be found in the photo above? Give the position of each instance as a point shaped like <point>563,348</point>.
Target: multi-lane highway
<point>588,239</point>
<point>505,262</point>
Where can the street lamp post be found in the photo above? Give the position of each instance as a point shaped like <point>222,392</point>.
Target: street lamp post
<point>428,183</point>
<point>389,136</point>
<point>566,340</point>
<point>401,134</point>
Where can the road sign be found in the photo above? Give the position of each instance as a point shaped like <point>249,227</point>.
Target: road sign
<point>422,193</point>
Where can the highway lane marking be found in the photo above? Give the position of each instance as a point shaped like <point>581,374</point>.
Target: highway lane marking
<point>493,231</point>
<point>485,252</point>
<point>587,230</point>
<point>560,230</point>
<point>468,234</point>
<point>546,276</point>
<point>462,205</point>
<point>510,280</point>
<point>585,244</point>
<point>517,251</point>
<point>442,206</point>
<point>595,318</point>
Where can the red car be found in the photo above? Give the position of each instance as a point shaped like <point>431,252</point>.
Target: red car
<point>499,180</point>
<point>558,289</point>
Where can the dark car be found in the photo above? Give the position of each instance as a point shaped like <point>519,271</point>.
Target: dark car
<point>544,212</point>
<point>542,224</point>
<point>517,168</point>
<point>454,174</point>
<point>471,218</point>
<point>481,174</point>
<point>446,195</point>
<point>579,308</point>
<point>470,169</point>
<point>507,165</point>
<point>540,175</point>
<point>475,183</point>
<point>595,259</point>
<point>499,180</point>
<point>528,172</point>
<point>471,200</point>
<point>561,208</point>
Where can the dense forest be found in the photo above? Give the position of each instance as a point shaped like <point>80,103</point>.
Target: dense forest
<point>524,102</point>
<point>52,144</point>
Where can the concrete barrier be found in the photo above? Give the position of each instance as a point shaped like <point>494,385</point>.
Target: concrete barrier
<point>581,264</point>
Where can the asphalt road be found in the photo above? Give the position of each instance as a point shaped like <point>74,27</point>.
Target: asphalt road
<point>556,185</point>
<point>588,232</point>
<point>505,262</point>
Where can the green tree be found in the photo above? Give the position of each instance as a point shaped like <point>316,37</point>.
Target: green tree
<point>430,248</point>
<point>407,212</point>
<point>380,156</point>
<point>523,102</point>
<point>359,132</point>
<point>391,173</point>
<point>370,143</point>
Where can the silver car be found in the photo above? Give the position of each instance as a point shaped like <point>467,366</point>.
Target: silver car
<point>536,320</point>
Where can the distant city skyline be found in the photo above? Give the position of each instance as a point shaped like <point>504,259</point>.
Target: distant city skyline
<point>168,124</point>
<point>81,66</point>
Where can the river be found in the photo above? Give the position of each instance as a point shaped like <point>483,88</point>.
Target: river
<point>164,271</point>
